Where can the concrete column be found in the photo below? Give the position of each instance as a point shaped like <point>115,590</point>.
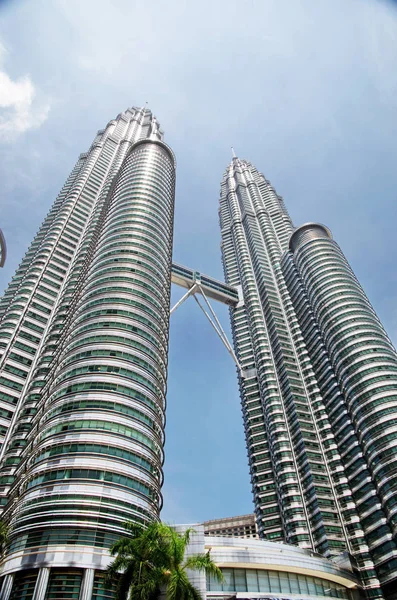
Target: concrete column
<point>6,587</point>
<point>87,584</point>
<point>41,584</point>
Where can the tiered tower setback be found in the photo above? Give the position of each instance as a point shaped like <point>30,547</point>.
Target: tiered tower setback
<point>321,405</point>
<point>84,341</point>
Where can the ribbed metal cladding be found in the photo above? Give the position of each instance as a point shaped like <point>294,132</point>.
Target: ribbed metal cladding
<point>93,453</point>
<point>289,439</point>
<point>358,512</point>
<point>98,449</point>
<point>307,232</point>
<point>304,487</point>
<point>365,365</point>
<point>40,301</point>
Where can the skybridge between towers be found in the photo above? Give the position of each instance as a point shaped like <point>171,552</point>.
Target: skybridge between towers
<point>212,288</point>
<point>198,284</point>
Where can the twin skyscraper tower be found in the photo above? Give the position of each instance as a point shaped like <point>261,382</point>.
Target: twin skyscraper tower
<point>84,342</point>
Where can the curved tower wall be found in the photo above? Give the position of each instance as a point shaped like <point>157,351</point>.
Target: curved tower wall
<point>305,480</point>
<point>364,364</point>
<point>285,438</point>
<point>93,411</point>
<point>38,305</point>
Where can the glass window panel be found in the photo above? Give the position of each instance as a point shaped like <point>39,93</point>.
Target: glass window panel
<point>319,586</point>
<point>294,583</point>
<point>284,582</point>
<point>228,584</point>
<point>210,582</point>
<point>274,581</point>
<point>240,580</point>
<point>24,584</point>
<point>252,580</point>
<point>102,591</point>
<point>263,580</point>
<point>311,585</point>
<point>303,584</point>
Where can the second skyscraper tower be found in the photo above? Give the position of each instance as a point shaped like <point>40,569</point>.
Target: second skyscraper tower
<point>320,404</point>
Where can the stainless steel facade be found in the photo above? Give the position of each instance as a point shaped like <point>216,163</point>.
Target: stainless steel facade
<point>321,405</point>
<point>84,341</point>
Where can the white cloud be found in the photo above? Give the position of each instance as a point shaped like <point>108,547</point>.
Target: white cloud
<point>19,111</point>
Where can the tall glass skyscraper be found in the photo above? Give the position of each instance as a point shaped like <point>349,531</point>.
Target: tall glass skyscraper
<point>84,341</point>
<point>320,401</point>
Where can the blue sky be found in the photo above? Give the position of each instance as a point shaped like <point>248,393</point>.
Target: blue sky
<point>305,89</point>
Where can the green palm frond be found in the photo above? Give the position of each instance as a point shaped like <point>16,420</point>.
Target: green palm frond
<point>123,546</point>
<point>119,564</point>
<point>151,559</point>
<point>180,588</point>
<point>135,529</point>
<point>177,546</point>
<point>204,562</point>
<point>194,593</point>
<point>147,590</point>
<point>187,534</point>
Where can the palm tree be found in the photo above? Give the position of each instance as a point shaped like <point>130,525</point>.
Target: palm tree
<point>177,584</point>
<point>152,561</point>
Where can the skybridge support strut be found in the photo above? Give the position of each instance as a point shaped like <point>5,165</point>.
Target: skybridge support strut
<point>184,297</point>
<point>217,290</point>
